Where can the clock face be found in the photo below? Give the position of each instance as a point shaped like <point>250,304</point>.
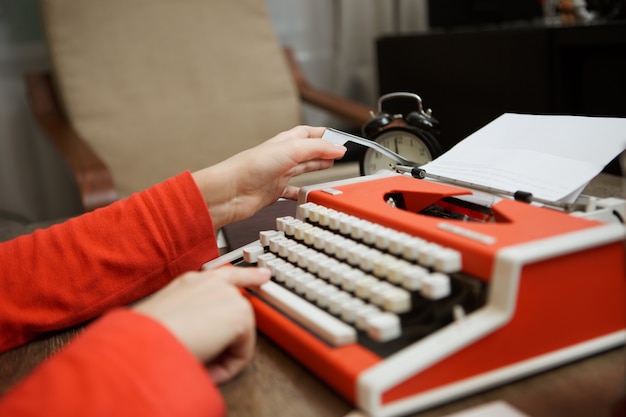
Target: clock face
<point>401,142</point>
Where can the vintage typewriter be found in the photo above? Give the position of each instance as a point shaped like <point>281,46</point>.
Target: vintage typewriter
<point>403,293</point>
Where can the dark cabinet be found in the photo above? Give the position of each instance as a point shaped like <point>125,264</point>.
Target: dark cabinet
<point>471,76</point>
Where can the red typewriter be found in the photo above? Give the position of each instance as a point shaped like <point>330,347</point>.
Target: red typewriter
<point>402,293</point>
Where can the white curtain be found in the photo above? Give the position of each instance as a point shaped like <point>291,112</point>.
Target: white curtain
<point>334,40</point>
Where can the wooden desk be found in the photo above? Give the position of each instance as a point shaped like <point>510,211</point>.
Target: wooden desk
<point>274,385</point>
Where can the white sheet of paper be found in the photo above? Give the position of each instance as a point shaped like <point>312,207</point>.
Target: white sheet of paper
<point>553,157</point>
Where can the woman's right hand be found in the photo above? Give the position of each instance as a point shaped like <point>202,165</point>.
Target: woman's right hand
<point>255,178</point>
<point>209,315</point>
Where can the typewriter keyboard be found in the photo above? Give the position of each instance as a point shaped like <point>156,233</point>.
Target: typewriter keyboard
<point>349,280</point>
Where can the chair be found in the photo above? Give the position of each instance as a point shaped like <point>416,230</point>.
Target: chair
<point>141,90</point>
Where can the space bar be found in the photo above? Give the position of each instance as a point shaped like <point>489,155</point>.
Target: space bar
<point>330,329</point>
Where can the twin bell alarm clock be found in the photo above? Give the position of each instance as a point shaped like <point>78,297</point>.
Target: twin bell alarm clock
<point>402,126</point>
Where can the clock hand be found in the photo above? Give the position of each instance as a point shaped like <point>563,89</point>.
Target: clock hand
<point>340,138</point>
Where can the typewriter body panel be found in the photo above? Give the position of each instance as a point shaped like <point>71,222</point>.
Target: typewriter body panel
<point>555,286</point>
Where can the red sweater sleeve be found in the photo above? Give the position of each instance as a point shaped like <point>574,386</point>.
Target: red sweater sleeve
<point>124,364</point>
<point>75,271</point>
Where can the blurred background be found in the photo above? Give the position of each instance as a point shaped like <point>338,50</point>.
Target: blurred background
<point>457,54</point>
<point>333,41</point>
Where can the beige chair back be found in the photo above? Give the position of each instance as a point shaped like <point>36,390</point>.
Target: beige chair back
<point>160,86</point>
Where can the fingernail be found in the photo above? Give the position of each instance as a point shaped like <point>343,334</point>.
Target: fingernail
<point>265,271</point>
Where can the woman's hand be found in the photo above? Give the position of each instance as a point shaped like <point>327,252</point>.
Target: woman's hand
<point>205,310</point>
<point>245,183</point>
<point>209,315</point>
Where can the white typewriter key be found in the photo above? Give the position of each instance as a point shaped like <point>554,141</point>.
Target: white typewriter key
<point>290,226</point>
<point>300,282</point>
<point>331,244</point>
<point>320,239</point>
<point>435,286</point>
<point>370,232</point>
<point>363,287</point>
<point>325,216</point>
<point>413,276</point>
<point>314,213</point>
<point>300,230</point>
<point>343,248</point>
<point>324,294</point>
<point>396,242</point>
<point>336,302</point>
<point>396,270</point>
<point>291,275</point>
<point>274,264</point>
<point>349,309</point>
<point>266,235</point>
<point>349,280</point>
<point>367,259</point>
<point>250,253</point>
<point>346,223</point>
<point>354,253</point>
<point>377,292</point>
<point>356,231</point>
<point>314,261</point>
<point>312,289</point>
<point>292,252</point>
<point>263,259</point>
<point>334,221</point>
<point>413,247</point>
<point>318,213</point>
<point>283,247</point>
<point>383,327</point>
<point>332,330</point>
<point>337,273</point>
<point>309,235</point>
<point>447,260</point>
<point>280,222</point>
<point>326,266</point>
<point>304,256</point>
<point>383,238</point>
<point>303,209</point>
<point>427,254</point>
<point>275,242</point>
<point>362,313</point>
<point>382,265</point>
<point>397,301</point>
<point>281,271</point>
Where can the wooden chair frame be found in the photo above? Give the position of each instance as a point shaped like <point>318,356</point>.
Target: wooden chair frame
<point>92,176</point>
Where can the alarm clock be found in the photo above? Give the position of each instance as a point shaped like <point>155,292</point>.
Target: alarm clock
<point>411,133</point>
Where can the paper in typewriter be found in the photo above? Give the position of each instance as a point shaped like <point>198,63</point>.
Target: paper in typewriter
<point>553,157</point>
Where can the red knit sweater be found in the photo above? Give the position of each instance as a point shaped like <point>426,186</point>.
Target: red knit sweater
<point>124,363</point>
